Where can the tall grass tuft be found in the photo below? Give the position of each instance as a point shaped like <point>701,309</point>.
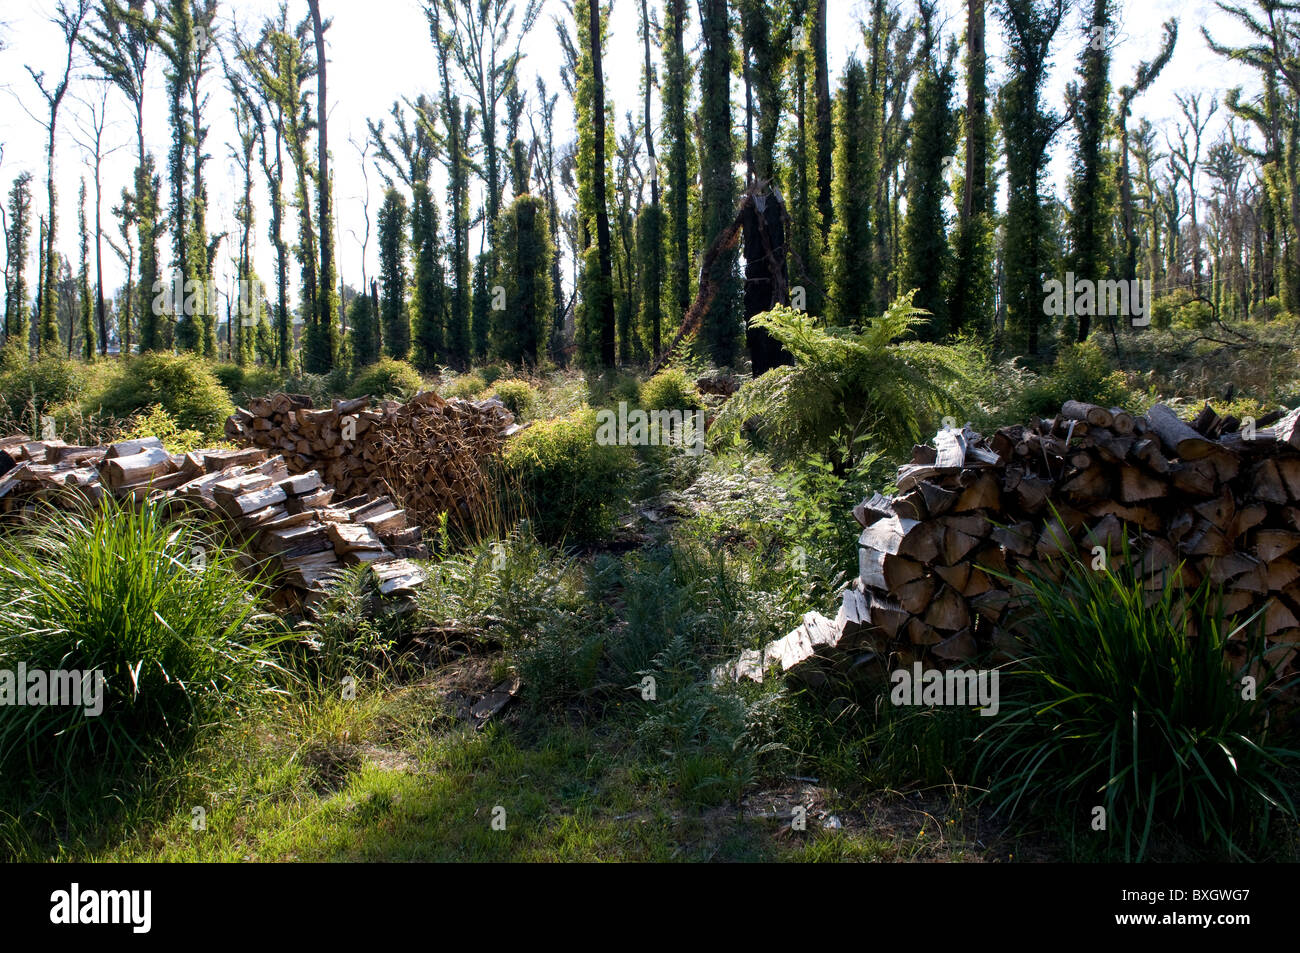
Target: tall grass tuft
<point>1116,706</point>
<point>158,606</point>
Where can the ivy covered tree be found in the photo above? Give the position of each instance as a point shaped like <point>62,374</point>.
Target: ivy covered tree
<point>18,236</point>
<point>926,255</point>
<point>1027,128</point>
<point>677,156</point>
<point>853,192</point>
<point>321,342</point>
<point>970,304</point>
<point>721,325</point>
<point>85,307</point>
<point>524,252</point>
<point>119,42</point>
<point>393,275</point>
<point>596,324</point>
<point>1092,181</point>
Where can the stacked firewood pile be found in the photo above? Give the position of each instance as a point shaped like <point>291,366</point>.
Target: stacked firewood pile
<point>1187,502</point>
<point>291,521</point>
<point>428,453</point>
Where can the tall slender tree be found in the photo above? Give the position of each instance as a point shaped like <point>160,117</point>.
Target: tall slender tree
<point>18,238</point>
<point>970,305</point>
<point>720,327</point>
<point>597,325</point>
<point>119,42</point>
<point>322,344</point>
<point>69,16</point>
<point>926,257</point>
<point>1028,128</point>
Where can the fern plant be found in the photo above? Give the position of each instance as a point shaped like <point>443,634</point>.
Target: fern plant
<point>847,384</point>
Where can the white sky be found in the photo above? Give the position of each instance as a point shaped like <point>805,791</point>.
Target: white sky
<point>380,50</point>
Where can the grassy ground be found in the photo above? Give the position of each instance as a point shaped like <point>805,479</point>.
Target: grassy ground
<point>708,556</point>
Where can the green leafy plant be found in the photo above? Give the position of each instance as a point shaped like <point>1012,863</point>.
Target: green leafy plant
<point>1117,706</point>
<point>845,384</point>
<point>520,397</point>
<point>1080,372</point>
<point>466,386</point>
<point>571,486</point>
<point>32,388</point>
<point>670,389</point>
<point>156,422</point>
<point>387,379</point>
<point>183,385</point>
<point>159,607</point>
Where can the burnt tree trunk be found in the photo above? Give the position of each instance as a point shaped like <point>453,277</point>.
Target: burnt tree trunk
<point>766,277</point>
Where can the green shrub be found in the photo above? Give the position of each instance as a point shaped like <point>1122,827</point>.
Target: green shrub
<point>120,590</point>
<point>491,373</point>
<point>184,386</point>
<point>670,390</point>
<point>38,385</point>
<point>570,485</point>
<point>466,386</point>
<point>520,397</point>
<point>387,379</point>
<point>156,422</point>
<point>231,377</point>
<point>1080,372</point>
<point>1117,707</point>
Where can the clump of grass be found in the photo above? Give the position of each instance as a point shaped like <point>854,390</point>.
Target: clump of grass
<point>160,608</point>
<point>1117,706</point>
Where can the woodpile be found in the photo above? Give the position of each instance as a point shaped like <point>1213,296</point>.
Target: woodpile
<point>291,522</point>
<point>1186,501</point>
<point>429,454</point>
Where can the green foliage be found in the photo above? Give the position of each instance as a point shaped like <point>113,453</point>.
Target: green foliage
<point>721,325</point>
<point>156,422</point>
<point>571,486</point>
<point>429,301</point>
<point>38,386</point>
<point>519,332</point>
<point>846,385</point>
<point>520,397</point>
<point>491,373</point>
<point>387,379</point>
<point>670,389</point>
<point>1181,310</point>
<point>1117,705</point>
<point>365,330</point>
<point>1080,372</point>
<point>926,252</point>
<point>184,386</point>
<point>392,275</point>
<point>117,589</point>
<point>853,188</point>
<point>466,386</point>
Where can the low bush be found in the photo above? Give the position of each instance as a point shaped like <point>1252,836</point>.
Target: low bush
<point>466,386</point>
<point>36,387</point>
<point>387,379</point>
<point>571,486</point>
<point>160,608</point>
<point>670,390</point>
<point>184,386</point>
<point>1080,372</point>
<point>156,422</point>
<point>1116,707</point>
<point>520,397</point>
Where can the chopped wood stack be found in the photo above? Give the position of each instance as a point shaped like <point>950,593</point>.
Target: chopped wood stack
<point>429,453</point>
<point>1192,501</point>
<point>290,520</point>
